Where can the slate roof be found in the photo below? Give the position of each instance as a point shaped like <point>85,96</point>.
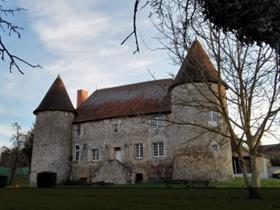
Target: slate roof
<point>197,67</point>
<point>128,100</point>
<point>56,99</point>
<point>272,150</point>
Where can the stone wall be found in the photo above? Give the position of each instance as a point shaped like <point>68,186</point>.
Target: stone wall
<point>52,144</point>
<point>113,171</point>
<point>190,152</point>
<point>198,152</point>
<point>130,131</point>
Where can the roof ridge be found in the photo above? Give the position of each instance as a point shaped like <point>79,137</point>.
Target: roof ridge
<point>138,83</point>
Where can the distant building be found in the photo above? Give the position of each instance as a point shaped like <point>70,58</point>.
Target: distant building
<point>126,134</point>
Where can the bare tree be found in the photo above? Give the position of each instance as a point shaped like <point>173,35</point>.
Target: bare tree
<point>15,151</point>
<point>250,75</point>
<point>11,28</point>
<point>250,21</point>
<point>28,145</point>
<point>249,72</point>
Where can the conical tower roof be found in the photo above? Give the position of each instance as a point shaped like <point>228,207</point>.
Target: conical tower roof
<point>56,99</point>
<point>196,67</point>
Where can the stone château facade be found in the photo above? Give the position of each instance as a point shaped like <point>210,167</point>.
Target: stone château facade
<point>134,132</point>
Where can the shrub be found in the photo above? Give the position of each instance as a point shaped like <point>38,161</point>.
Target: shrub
<point>3,181</point>
<point>46,179</point>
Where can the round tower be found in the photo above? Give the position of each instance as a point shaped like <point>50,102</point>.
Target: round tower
<point>52,134</point>
<point>202,154</point>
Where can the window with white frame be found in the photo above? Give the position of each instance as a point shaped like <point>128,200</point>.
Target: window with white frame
<point>158,149</point>
<point>214,118</point>
<point>95,154</point>
<point>157,121</point>
<point>78,130</point>
<point>139,151</point>
<point>77,153</point>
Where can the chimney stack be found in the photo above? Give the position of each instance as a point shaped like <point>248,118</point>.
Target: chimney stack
<point>81,97</point>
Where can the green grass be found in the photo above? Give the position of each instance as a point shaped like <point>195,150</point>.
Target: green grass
<point>144,196</point>
<point>238,182</point>
<point>135,199</point>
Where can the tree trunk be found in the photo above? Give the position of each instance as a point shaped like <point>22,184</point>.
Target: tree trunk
<point>13,172</point>
<point>254,193</point>
<point>254,188</point>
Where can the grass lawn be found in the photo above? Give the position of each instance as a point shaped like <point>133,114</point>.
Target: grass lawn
<point>141,196</point>
<point>134,199</point>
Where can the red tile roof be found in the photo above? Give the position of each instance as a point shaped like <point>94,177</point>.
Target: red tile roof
<point>129,100</point>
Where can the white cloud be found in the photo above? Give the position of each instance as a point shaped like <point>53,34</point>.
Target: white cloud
<point>82,43</point>
<point>86,44</point>
<point>6,131</point>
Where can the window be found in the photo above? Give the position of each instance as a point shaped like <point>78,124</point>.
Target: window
<point>138,151</point>
<point>213,118</point>
<point>78,130</point>
<point>95,154</point>
<point>77,153</point>
<point>214,147</point>
<point>158,149</point>
<point>157,121</point>
<point>115,127</point>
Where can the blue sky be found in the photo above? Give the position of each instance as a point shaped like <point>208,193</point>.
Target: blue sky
<point>80,40</point>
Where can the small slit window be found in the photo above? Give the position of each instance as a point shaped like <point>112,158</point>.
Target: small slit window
<point>115,127</point>
<point>77,153</point>
<point>78,130</point>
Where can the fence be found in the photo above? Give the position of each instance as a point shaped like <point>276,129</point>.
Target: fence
<point>23,171</point>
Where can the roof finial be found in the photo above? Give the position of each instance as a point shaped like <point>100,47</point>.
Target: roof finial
<point>58,76</point>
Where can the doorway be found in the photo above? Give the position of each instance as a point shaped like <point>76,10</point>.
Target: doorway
<point>138,178</point>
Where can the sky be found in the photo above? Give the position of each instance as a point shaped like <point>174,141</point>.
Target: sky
<point>80,40</point>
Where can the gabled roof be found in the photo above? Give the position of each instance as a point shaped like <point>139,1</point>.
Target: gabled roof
<point>56,99</point>
<point>129,100</point>
<point>197,67</point>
